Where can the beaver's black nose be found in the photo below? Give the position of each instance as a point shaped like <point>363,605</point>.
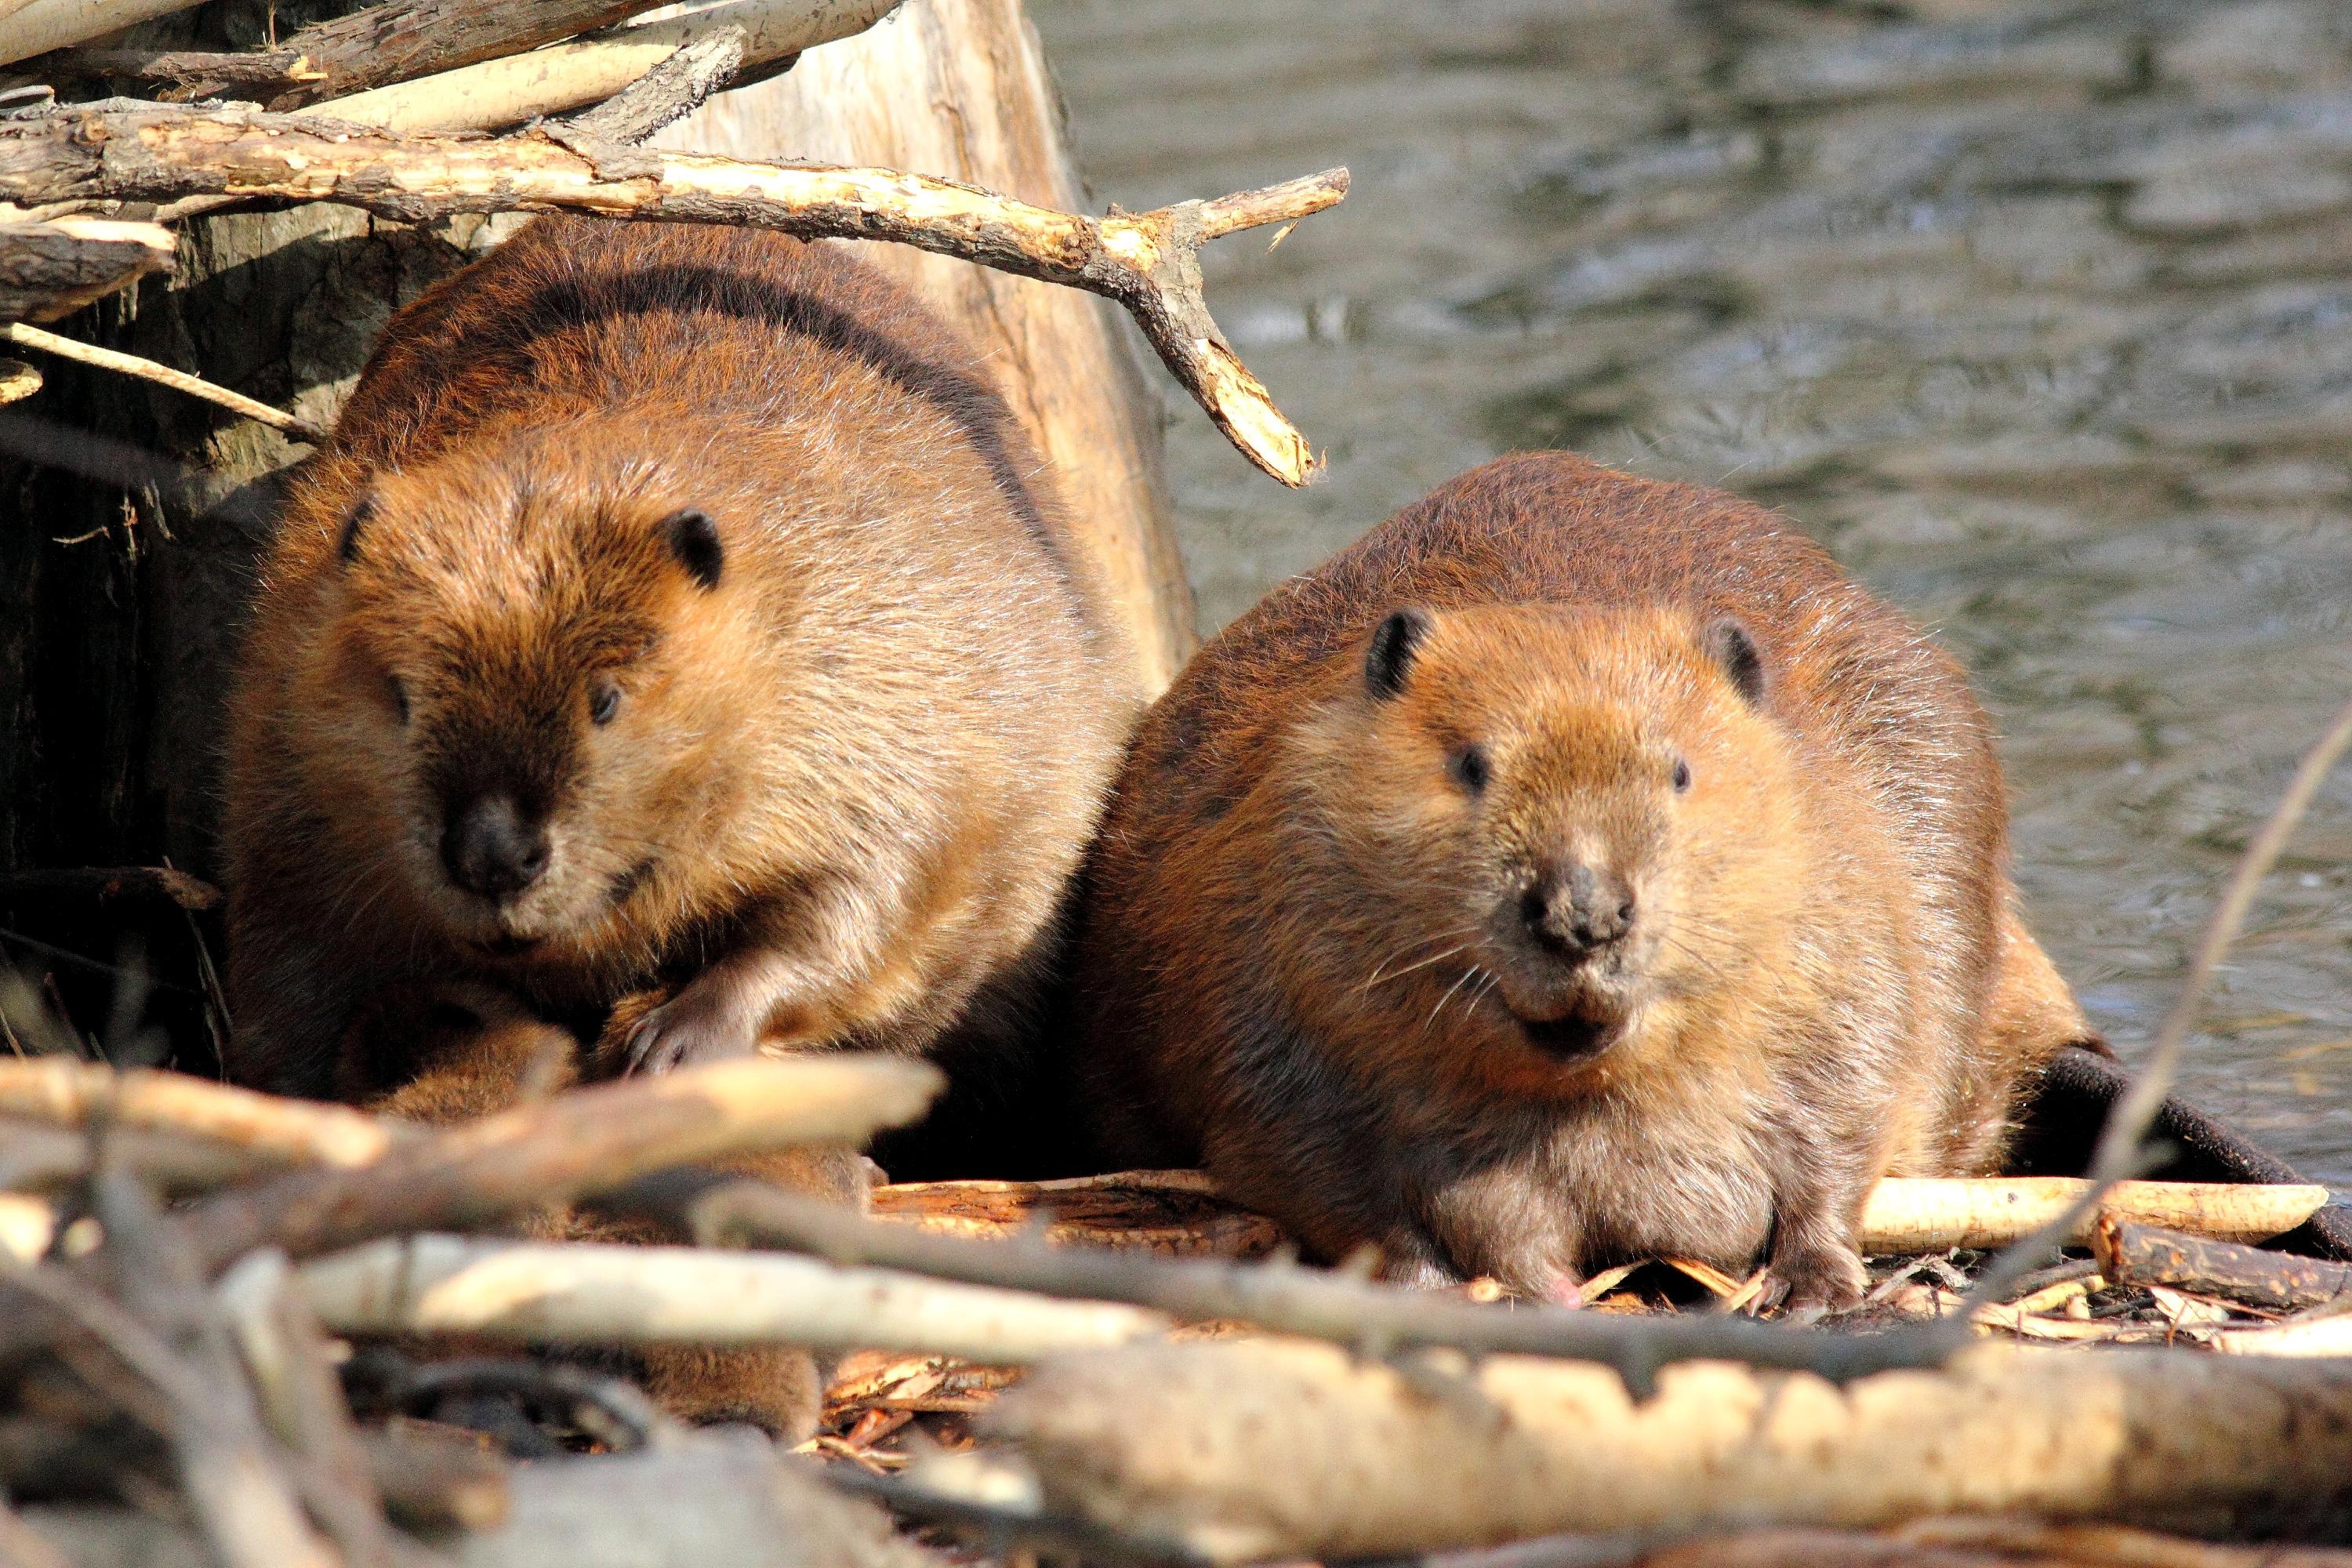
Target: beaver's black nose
<point>492,847</point>
<point>1570,911</point>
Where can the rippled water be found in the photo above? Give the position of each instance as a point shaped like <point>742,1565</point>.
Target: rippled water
<point>2038,315</point>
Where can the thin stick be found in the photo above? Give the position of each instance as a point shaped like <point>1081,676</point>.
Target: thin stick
<point>1146,262</point>
<point>293,425</point>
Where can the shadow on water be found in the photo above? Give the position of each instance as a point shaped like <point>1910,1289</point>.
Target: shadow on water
<point>2038,315</point>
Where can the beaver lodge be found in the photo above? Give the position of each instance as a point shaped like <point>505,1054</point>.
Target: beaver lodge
<point>258,1331</point>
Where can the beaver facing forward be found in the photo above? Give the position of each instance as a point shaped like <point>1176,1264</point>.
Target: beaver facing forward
<point>672,610</point>
<point>1577,868</point>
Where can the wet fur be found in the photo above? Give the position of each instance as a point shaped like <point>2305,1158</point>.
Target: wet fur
<point>851,771</point>
<point>1283,969</point>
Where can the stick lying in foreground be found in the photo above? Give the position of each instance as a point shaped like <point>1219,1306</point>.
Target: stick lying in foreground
<point>1146,262</point>
<point>1249,1449</point>
<point>553,1150</point>
<point>592,1293</point>
<point>2144,1254</point>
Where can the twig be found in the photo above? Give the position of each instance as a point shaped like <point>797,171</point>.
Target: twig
<point>293,425</point>
<point>1145,262</point>
<point>106,884</point>
<point>383,43</point>
<point>669,92</point>
<point>550,1151</point>
<point>19,381</point>
<point>604,1293</point>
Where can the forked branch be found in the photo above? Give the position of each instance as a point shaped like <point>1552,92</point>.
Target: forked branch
<point>1146,262</point>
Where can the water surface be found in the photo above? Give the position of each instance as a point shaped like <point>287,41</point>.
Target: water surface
<point>2038,315</point>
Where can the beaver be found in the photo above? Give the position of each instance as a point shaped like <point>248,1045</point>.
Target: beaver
<point>673,608</point>
<point>1576,869</point>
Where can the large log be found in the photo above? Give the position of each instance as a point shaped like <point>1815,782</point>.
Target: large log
<point>960,89</point>
<point>1250,1449</point>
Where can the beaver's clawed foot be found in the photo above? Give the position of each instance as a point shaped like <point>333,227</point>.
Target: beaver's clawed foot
<point>1810,1284</point>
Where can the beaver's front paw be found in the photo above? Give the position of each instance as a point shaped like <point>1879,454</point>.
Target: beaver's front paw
<point>1818,1279</point>
<point>694,1026</point>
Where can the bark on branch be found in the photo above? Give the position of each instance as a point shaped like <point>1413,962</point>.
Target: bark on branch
<point>551,1151</point>
<point>1146,262</point>
<point>1248,1450</point>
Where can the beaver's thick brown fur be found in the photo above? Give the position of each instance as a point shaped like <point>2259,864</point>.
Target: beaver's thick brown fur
<point>673,607</point>
<point>1577,868</point>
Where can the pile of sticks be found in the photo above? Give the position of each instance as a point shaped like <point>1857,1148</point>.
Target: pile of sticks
<point>387,110</point>
<point>251,1331</point>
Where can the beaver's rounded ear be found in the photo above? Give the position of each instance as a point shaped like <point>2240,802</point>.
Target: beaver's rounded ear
<point>1729,644</point>
<point>1395,643</point>
<point>693,538</point>
<point>355,517</point>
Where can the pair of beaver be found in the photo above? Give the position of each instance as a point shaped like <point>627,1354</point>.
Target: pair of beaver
<point>681,638</point>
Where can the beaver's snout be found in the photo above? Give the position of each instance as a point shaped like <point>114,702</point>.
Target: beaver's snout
<point>490,845</point>
<point>1571,912</point>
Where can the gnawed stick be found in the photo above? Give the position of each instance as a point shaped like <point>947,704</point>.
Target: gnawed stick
<point>1906,1214</point>
<point>1246,1449</point>
<point>67,1092</point>
<point>147,369</point>
<point>2132,1254</point>
<point>593,1293</point>
<point>1146,262</point>
<point>556,1149</point>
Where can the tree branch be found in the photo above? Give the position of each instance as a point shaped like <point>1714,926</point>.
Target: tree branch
<point>1145,262</point>
<point>237,403</point>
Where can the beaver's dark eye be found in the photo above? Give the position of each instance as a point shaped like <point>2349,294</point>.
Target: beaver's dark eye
<point>604,701</point>
<point>1468,764</point>
<point>398,693</point>
<point>1682,775</point>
